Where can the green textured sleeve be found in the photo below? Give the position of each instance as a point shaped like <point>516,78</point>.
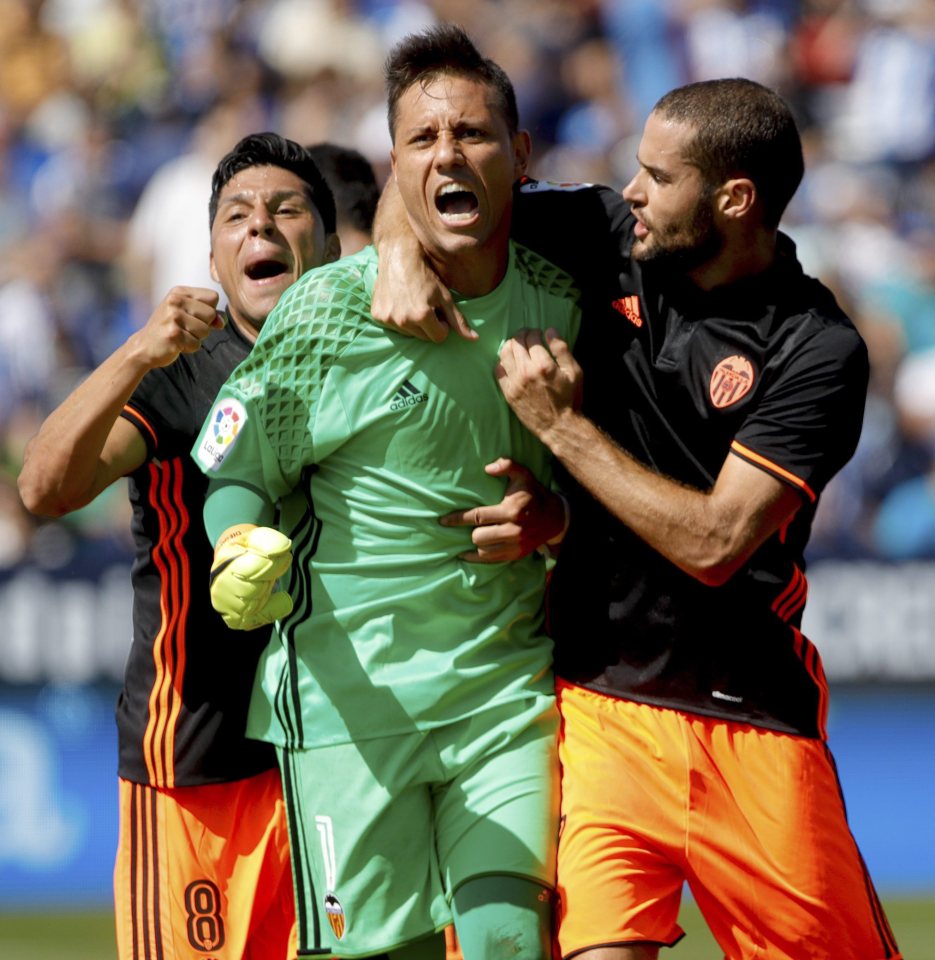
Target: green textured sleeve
<point>259,432</point>
<point>229,503</point>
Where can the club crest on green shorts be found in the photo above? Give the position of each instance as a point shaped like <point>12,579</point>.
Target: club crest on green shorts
<point>335,914</point>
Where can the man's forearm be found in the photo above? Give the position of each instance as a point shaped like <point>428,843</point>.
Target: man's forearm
<point>391,222</point>
<point>708,534</point>
<point>660,511</point>
<point>62,465</point>
<point>408,295</point>
<point>82,447</point>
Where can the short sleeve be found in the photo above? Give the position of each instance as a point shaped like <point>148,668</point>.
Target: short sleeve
<point>807,424</point>
<point>161,410</point>
<point>275,414</point>
<point>258,430</point>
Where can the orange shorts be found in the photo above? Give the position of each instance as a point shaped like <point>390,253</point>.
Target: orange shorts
<point>751,819</point>
<point>204,872</point>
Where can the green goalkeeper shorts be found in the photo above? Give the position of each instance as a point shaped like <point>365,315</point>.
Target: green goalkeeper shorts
<point>384,831</point>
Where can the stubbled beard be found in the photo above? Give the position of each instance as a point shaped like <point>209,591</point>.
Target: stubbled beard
<point>699,244</point>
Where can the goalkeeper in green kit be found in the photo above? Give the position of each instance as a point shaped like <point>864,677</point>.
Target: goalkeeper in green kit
<point>407,690</point>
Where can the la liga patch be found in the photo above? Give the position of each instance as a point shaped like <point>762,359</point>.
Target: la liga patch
<point>227,420</point>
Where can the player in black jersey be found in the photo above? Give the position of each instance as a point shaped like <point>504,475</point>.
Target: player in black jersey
<point>723,388</point>
<point>203,859</point>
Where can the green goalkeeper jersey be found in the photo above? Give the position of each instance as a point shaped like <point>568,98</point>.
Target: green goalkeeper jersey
<point>363,438</point>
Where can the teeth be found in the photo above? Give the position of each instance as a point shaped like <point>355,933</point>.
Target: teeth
<point>462,207</point>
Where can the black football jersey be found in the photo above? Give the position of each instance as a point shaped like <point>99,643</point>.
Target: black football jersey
<point>181,714</point>
<point>769,369</point>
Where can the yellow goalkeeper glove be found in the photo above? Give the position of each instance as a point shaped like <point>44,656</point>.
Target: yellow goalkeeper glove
<point>247,562</point>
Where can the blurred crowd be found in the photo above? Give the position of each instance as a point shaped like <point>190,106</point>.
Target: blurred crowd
<point>113,114</point>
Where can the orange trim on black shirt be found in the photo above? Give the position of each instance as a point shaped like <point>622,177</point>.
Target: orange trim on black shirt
<point>155,724</point>
<point>171,560</point>
<point>180,638</point>
<point>748,454</point>
<point>143,422</point>
<point>811,659</point>
<point>792,599</point>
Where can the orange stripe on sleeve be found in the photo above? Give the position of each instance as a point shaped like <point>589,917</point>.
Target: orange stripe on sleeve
<point>143,422</point>
<point>748,454</point>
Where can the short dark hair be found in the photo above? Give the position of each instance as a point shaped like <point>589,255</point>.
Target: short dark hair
<point>352,181</point>
<point>444,49</point>
<point>272,150</point>
<point>741,129</point>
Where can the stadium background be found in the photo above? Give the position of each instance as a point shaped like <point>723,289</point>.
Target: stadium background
<point>113,114</point>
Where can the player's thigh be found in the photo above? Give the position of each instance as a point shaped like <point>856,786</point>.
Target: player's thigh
<point>623,823</point>
<point>367,877</point>
<point>774,866</point>
<point>498,811</point>
<point>503,918</point>
<point>206,869</point>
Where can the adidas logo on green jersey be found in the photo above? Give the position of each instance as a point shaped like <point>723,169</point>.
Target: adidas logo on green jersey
<point>407,396</point>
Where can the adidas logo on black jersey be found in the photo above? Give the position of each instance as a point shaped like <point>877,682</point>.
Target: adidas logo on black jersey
<point>407,396</point>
